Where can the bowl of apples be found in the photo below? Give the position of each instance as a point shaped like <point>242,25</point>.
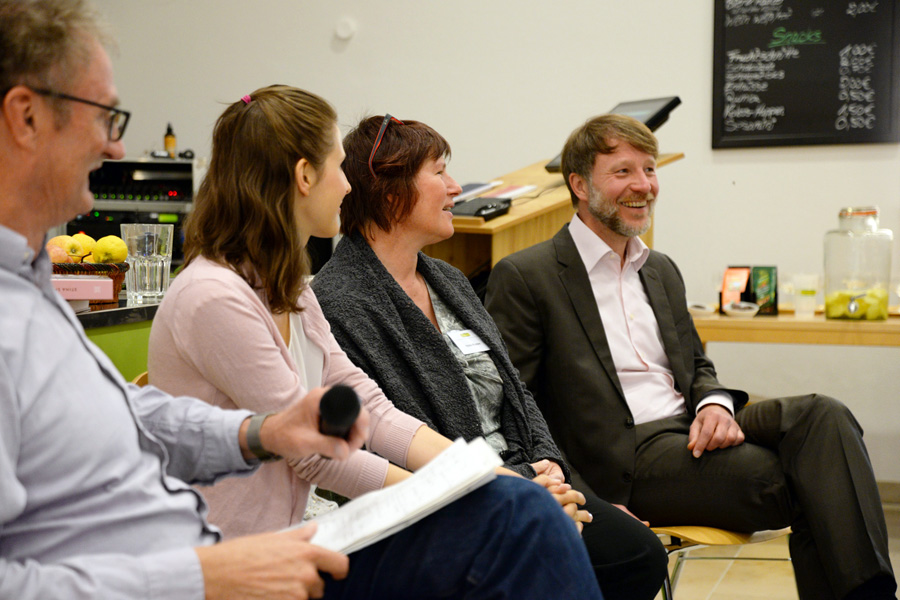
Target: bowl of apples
<point>80,254</point>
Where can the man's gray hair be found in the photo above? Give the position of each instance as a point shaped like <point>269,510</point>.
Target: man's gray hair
<point>47,43</point>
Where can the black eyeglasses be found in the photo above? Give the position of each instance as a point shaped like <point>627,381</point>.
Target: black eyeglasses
<point>118,118</point>
<point>384,124</point>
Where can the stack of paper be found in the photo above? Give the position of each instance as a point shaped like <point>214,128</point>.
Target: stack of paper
<point>510,191</point>
<point>80,306</point>
<point>473,190</point>
<point>376,515</point>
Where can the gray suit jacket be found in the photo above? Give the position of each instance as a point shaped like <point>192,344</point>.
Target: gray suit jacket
<point>542,302</point>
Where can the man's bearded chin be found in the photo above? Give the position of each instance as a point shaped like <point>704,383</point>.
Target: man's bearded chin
<point>608,213</point>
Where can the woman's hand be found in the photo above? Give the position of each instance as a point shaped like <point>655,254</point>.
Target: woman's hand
<point>550,468</point>
<point>631,514</point>
<point>567,498</point>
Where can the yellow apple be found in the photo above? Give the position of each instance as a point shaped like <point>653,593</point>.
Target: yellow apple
<point>110,249</point>
<point>86,241</point>
<point>70,245</point>
<point>57,254</point>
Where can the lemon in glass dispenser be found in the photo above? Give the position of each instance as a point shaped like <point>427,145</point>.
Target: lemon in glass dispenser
<point>857,266</point>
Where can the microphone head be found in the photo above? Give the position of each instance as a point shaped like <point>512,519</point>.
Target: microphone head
<point>338,410</point>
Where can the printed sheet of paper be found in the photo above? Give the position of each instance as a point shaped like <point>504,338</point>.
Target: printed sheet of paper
<point>374,516</point>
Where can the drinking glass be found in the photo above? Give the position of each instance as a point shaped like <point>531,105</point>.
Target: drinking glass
<point>806,286</point>
<point>149,260</point>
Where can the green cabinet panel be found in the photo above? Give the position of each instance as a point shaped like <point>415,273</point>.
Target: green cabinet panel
<point>126,345</point>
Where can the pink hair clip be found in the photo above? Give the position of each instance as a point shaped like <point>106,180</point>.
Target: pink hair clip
<point>246,99</point>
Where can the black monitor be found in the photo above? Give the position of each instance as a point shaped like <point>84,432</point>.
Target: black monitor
<point>652,113</point>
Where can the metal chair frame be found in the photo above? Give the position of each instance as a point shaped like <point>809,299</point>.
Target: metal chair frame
<point>684,538</point>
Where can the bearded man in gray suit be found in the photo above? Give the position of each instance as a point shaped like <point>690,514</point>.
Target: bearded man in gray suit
<point>598,325</point>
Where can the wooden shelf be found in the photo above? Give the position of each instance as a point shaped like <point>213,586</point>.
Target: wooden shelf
<point>786,329</point>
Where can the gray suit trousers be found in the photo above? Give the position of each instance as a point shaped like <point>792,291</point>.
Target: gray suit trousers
<point>803,464</point>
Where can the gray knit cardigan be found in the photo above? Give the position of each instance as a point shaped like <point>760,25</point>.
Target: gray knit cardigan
<point>387,336</point>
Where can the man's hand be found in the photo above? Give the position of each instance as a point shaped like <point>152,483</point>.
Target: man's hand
<point>294,434</point>
<point>713,428</point>
<point>567,498</point>
<point>281,565</point>
<point>549,468</point>
<point>625,510</point>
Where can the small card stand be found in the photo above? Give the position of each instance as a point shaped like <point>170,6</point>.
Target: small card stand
<point>758,285</point>
<point>735,287</point>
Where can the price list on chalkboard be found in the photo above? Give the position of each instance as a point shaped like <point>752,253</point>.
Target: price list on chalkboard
<point>790,72</point>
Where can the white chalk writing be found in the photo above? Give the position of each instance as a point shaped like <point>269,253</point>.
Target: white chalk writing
<point>855,89</point>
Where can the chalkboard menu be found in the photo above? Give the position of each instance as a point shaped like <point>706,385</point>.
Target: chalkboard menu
<point>790,72</point>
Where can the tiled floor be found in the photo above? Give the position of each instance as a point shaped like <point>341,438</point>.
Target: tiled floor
<point>755,580</point>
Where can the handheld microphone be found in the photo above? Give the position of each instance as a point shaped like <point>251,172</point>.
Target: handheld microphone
<point>338,410</point>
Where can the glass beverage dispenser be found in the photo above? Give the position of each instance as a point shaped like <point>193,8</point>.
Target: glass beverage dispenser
<point>857,266</point>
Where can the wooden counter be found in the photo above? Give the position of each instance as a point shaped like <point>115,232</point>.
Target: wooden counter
<point>786,329</point>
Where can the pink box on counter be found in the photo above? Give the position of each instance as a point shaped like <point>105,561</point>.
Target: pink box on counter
<point>84,287</point>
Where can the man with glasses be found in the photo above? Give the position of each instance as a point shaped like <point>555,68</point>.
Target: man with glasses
<point>93,499</point>
<point>118,118</point>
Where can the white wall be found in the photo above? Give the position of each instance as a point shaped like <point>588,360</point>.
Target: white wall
<point>505,81</point>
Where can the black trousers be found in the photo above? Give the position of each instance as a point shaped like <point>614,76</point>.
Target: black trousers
<point>628,559</point>
<point>803,464</point>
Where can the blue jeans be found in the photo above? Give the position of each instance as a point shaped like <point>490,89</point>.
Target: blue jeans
<point>508,539</point>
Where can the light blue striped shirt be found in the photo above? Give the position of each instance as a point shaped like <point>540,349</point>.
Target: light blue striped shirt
<point>93,502</point>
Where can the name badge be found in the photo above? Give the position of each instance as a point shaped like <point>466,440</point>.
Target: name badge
<point>467,341</point>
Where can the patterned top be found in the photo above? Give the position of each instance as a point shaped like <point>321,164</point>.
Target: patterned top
<point>480,371</point>
<point>388,336</point>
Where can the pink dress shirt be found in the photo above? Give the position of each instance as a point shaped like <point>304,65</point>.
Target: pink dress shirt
<point>631,329</point>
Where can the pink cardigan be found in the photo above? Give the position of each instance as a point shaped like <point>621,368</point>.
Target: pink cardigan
<point>214,338</point>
